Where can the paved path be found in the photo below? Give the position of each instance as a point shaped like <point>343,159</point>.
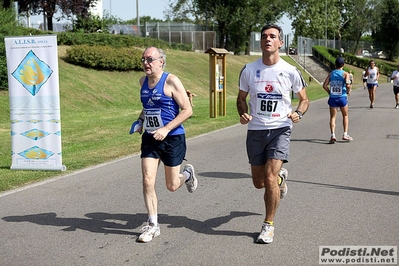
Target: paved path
<point>342,194</point>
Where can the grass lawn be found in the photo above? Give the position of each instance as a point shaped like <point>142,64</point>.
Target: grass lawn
<point>98,107</point>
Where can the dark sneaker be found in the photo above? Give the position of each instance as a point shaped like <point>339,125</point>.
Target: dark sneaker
<point>332,140</point>
<point>192,182</point>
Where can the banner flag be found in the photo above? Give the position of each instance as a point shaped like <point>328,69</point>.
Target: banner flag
<point>35,117</point>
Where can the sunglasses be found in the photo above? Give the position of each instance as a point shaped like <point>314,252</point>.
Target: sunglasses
<point>149,60</point>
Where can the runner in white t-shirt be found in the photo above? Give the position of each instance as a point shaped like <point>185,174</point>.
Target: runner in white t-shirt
<point>372,74</point>
<point>395,79</point>
<point>269,82</point>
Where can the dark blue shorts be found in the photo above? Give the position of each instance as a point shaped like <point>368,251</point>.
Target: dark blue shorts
<point>171,150</point>
<point>371,85</point>
<point>338,102</point>
<point>395,89</point>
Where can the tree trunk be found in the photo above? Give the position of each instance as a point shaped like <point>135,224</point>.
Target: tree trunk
<point>49,23</point>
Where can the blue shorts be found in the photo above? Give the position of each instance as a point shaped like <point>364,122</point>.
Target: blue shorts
<point>337,102</point>
<point>396,89</point>
<point>171,150</point>
<point>268,144</point>
<point>371,85</point>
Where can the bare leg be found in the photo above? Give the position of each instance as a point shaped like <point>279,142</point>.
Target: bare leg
<point>266,176</point>
<point>333,116</point>
<point>149,169</point>
<point>174,179</point>
<point>345,118</point>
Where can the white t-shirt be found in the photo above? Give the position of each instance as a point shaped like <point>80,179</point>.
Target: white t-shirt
<point>270,88</point>
<point>363,74</point>
<point>372,78</point>
<point>395,74</point>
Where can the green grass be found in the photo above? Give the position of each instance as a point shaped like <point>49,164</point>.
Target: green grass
<point>98,107</point>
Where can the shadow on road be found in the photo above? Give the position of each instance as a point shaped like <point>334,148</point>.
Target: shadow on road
<point>385,192</point>
<point>107,223</point>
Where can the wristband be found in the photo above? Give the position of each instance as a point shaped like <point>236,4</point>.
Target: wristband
<point>299,113</point>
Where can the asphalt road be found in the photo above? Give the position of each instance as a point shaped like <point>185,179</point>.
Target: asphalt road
<point>341,194</point>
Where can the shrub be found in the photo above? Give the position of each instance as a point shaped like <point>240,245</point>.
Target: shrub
<point>105,57</point>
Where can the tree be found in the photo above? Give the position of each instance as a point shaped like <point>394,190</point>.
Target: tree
<point>357,25</point>
<point>68,8</point>
<point>234,20</point>
<point>315,19</point>
<point>386,32</point>
<point>6,3</point>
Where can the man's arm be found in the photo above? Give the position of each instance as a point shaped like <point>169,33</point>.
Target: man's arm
<point>175,88</point>
<point>303,106</point>
<point>325,84</point>
<point>242,107</point>
<point>303,101</point>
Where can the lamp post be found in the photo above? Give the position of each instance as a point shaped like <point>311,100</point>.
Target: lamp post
<point>138,17</point>
<point>326,22</point>
<point>110,8</point>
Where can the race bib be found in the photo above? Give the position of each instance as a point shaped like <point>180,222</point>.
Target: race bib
<point>152,120</point>
<point>269,105</point>
<point>336,88</point>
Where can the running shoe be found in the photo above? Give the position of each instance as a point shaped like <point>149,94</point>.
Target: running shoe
<point>283,174</point>
<point>266,234</point>
<point>371,106</point>
<point>192,182</point>
<point>149,232</point>
<point>332,140</point>
<point>397,106</point>
<point>347,137</point>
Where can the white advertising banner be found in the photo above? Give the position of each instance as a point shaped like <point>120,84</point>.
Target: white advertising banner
<point>33,86</point>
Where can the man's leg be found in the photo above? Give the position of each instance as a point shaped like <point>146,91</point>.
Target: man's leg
<point>333,116</point>
<point>266,176</point>
<point>174,179</point>
<point>345,118</point>
<point>149,168</point>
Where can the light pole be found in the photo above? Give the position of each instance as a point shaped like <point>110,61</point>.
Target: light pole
<point>304,57</point>
<point>110,8</point>
<point>326,22</point>
<point>138,17</point>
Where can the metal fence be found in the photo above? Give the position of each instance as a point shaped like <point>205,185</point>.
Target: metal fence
<point>304,46</point>
<point>184,33</point>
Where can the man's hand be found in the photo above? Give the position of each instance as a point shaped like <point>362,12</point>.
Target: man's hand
<point>294,117</point>
<point>245,118</point>
<point>160,134</point>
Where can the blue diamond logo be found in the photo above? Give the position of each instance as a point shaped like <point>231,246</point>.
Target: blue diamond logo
<point>32,73</point>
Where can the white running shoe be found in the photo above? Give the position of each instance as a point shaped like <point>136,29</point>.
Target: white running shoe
<point>192,181</point>
<point>283,186</point>
<point>149,232</point>
<point>266,234</point>
<point>347,138</point>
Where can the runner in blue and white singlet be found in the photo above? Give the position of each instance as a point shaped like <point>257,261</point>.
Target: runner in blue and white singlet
<point>158,108</point>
